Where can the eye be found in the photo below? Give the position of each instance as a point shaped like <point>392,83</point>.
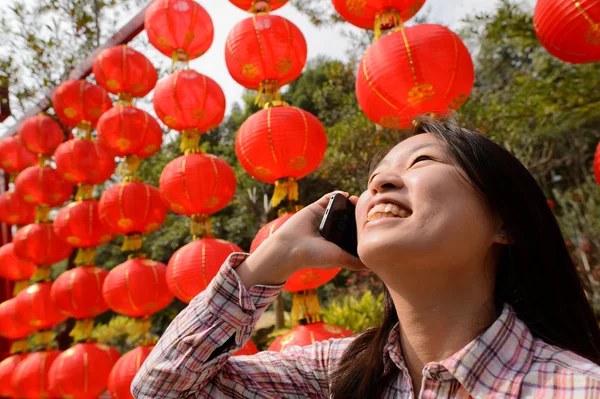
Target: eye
<point>422,158</point>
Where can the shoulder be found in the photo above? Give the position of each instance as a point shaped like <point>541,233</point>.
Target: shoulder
<point>554,370</point>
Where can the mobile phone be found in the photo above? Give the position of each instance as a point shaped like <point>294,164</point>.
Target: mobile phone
<point>339,224</point>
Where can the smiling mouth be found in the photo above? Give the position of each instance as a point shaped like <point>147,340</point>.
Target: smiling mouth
<point>383,211</point>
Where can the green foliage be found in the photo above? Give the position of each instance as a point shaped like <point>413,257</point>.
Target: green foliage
<point>355,314</point>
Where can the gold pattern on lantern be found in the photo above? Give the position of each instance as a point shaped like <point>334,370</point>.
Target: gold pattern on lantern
<point>592,35</point>
<point>211,202</point>
<point>391,122</point>
<point>356,7</point>
<point>170,120</point>
<point>198,114</point>
<point>189,37</point>
<point>420,93</point>
<point>163,41</point>
<point>29,198</point>
<point>95,112</point>
<point>70,112</point>
<point>283,66</point>
<point>287,338</point>
<point>123,144</point>
<point>332,329</point>
<point>250,71</point>
<point>262,173</point>
<point>458,101</point>
<point>113,84</point>
<point>152,226</point>
<point>296,163</point>
<point>73,240</point>
<point>125,223</point>
<point>309,277</point>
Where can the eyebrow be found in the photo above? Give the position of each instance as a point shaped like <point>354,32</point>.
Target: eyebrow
<point>410,151</point>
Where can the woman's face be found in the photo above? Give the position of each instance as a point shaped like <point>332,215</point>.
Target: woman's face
<point>420,212</point>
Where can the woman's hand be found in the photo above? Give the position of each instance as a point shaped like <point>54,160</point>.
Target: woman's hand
<point>296,245</point>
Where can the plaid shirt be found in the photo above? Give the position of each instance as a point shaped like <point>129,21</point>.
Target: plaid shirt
<point>193,357</point>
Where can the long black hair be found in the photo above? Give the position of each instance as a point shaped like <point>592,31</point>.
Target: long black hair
<point>535,273</point>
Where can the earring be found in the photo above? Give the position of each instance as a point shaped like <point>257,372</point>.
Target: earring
<point>502,234</point>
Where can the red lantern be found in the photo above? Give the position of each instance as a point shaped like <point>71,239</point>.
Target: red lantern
<point>124,71</point>
<point>82,370</point>
<point>265,48</point>
<point>137,288</point>
<point>14,210</point>
<point>14,157</point>
<point>190,103</point>
<point>197,183</point>
<point>77,101</point>
<point>569,30</point>
<point>39,244</point>
<point>84,161</point>
<point>78,292</point>
<point>41,134</point>
<point>30,379</point>
<point>7,368</point>
<point>308,334</point>
<point>132,208</point>
<point>193,266</point>
<point>129,131</point>
<point>256,6</point>
<point>36,309</point>
<point>42,185</point>
<point>418,70</point>
<point>10,326</point>
<point>180,29</point>
<point>376,14</point>
<point>123,372</point>
<point>303,280</point>
<point>597,164</point>
<point>247,350</point>
<point>79,225</point>
<point>12,267</point>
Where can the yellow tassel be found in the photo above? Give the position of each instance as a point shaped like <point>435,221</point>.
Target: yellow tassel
<point>85,191</point>
<point>44,159</point>
<point>20,285</point>
<point>285,188</point>
<point>132,242</point>
<point>190,141</point>
<point>43,338</point>
<point>385,20</point>
<point>129,166</point>
<point>260,7</point>
<point>305,307</point>
<point>82,330</point>
<point>272,104</point>
<point>85,256</point>
<point>180,60</point>
<point>125,99</point>
<point>19,346</point>
<point>84,130</point>
<point>200,226</point>
<point>41,274</point>
<point>12,176</point>
<point>268,92</point>
<point>42,213</point>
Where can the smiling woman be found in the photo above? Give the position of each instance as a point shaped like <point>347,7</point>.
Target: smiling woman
<point>482,298</point>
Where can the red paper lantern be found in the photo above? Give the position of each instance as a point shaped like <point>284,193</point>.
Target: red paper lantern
<point>180,29</point>
<point>137,288</point>
<point>121,69</point>
<point>280,142</point>
<point>10,326</point>
<point>418,70</point>
<point>197,183</point>
<point>569,30</point>
<point>307,335</point>
<point>14,210</point>
<point>12,267</point>
<point>303,280</point>
<point>35,307</point>
<point>79,225</point>
<point>30,379</point>
<point>41,134</point>
<point>597,164</point>
<point>123,372</point>
<point>39,244</point>
<point>369,14</point>
<point>84,161</point>
<point>7,368</point>
<point>193,266</point>
<point>78,292</point>
<point>14,157</point>
<point>265,48</point>
<point>42,185</point>
<point>132,208</point>
<point>247,350</point>
<point>256,6</point>
<point>77,101</point>
<point>82,371</point>
<point>188,100</point>
<point>129,131</point>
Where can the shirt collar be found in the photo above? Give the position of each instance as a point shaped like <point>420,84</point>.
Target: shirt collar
<point>495,362</point>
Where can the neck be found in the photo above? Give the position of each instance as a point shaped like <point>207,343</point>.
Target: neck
<point>439,315</point>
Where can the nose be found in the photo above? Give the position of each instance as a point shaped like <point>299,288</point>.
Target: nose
<point>384,182</point>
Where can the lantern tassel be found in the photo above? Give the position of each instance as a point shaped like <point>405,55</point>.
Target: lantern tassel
<point>41,274</point>
<point>125,99</point>
<point>20,285</point>
<point>385,20</point>
<point>12,176</point>
<point>200,226</point>
<point>268,92</point>
<point>190,141</point>
<point>43,338</point>
<point>285,188</point>
<point>82,330</point>
<point>85,256</point>
<point>141,327</point>
<point>44,159</point>
<point>19,346</point>
<point>42,213</point>
<point>129,166</point>
<point>84,192</point>
<point>84,130</point>
<point>305,307</point>
<point>132,242</point>
<point>180,60</point>
<point>260,7</point>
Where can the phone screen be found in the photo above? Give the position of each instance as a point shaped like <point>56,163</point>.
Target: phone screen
<point>339,224</point>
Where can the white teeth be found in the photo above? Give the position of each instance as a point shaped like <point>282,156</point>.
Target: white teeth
<point>386,210</point>
<point>402,213</point>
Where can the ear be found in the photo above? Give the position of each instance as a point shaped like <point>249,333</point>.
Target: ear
<point>503,237</point>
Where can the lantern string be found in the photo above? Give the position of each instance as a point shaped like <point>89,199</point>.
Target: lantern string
<point>129,166</point>
<point>20,285</point>
<point>268,92</point>
<point>84,192</point>
<point>42,213</point>
<point>41,274</point>
<point>82,331</point>
<point>19,346</point>
<point>132,242</point>
<point>305,307</point>
<point>85,256</point>
<point>286,187</point>
<point>200,226</point>
<point>190,141</point>
<point>386,20</point>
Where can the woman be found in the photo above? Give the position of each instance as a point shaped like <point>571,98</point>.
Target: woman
<point>482,297</point>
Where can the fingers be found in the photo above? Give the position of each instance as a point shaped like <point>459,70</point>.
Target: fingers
<point>325,199</point>
<point>353,199</point>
